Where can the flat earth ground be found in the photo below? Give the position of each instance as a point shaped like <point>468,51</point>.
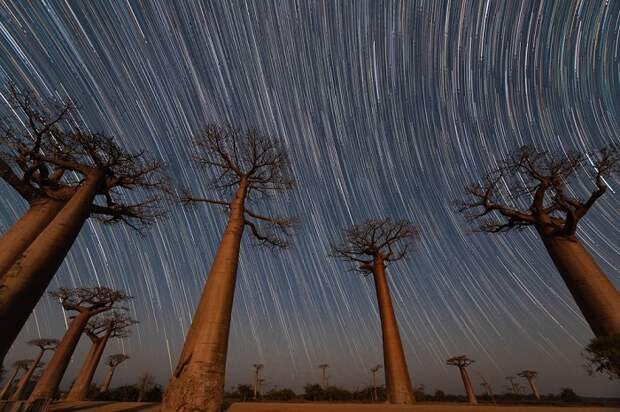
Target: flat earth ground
<point>326,407</point>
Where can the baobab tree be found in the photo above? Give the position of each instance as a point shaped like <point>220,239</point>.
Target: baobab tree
<point>99,330</point>
<point>462,362</point>
<point>488,388</point>
<point>537,189</point>
<point>370,246</point>
<point>324,378</point>
<point>248,166</point>
<point>44,345</point>
<point>512,385</point>
<point>86,302</point>
<point>146,382</point>
<point>374,371</point>
<point>530,376</point>
<point>19,365</point>
<point>112,362</point>
<point>100,175</point>
<point>257,368</point>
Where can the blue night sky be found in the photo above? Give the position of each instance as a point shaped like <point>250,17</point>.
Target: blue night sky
<point>386,109</point>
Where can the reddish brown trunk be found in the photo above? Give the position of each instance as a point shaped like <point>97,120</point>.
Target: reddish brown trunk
<point>22,286</point>
<point>596,296</point>
<point>471,396</point>
<point>23,232</point>
<point>534,389</point>
<point>397,381</point>
<point>7,387</point>
<point>47,385</point>
<point>108,379</point>
<point>79,390</point>
<point>23,382</point>
<point>198,382</point>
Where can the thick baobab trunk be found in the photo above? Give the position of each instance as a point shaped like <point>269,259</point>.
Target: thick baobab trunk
<point>397,381</point>
<point>23,232</point>
<point>24,284</point>
<point>47,385</point>
<point>596,296</point>
<point>471,396</point>
<point>534,389</point>
<point>23,382</point>
<point>107,380</point>
<point>198,381</point>
<point>79,390</point>
<point>7,387</point>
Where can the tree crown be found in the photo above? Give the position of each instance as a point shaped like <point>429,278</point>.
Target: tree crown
<point>535,188</point>
<point>528,374</point>
<point>44,344</point>
<point>91,300</point>
<point>116,359</point>
<point>116,323</point>
<point>23,363</point>
<point>41,144</point>
<point>378,238</point>
<point>461,361</point>
<point>260,162</point>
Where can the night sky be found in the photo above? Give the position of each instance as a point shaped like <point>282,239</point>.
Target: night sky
<point>386,109</point>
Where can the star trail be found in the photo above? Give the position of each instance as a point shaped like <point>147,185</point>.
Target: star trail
<point>386,109</point>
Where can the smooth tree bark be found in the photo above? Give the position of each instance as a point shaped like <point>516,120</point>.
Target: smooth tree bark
<point>99,330</point>
<point>371,246</point>
<point>112,362</point>
<point>250,166</point>
<point>44,345</point>
<point>548,185</point>
<point>530,375</point>
<point>19,365</point>
<point>87,303</point>
<point>101,176</point>
<point>462,362</point>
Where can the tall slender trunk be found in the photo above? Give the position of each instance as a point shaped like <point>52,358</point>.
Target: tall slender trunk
<point>107,380</point>
<point>23,232</point>
<point>397,381</point>
<point>79,390</point>
<point>47,385</point>
<point>6,388</point>
<point>471,396</point>
<point>22,286</point>
<point>596,296</point>
<point>23,382</point>
<point>534,389</point>
<point>198,381</point>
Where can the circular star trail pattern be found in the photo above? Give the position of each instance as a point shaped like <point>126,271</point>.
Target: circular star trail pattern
<point>386,109</point>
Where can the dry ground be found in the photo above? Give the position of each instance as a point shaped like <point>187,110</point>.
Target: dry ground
<point>324,407</point>
<point>91,406</point>
<point>438,407</point>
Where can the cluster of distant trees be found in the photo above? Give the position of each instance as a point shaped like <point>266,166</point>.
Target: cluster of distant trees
<point>315,392</point>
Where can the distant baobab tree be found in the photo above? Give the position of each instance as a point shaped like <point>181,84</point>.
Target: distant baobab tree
<point>22,364</point>
<point>146,382</point>
<point>99,174</point>
<point>324,378</point>
<point>530,376</point>
<point>86,302</point>
<point>534,188</point>
<point>99,330</point>
<point>513,385</point>
<point>370,246</point>
<point>112,362</point>
<point>44,345</point>
<point>248,166</point>
<point>257,367</point>
<point>488,388</point>
<point>462,362</point>
<point>374,371</point>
